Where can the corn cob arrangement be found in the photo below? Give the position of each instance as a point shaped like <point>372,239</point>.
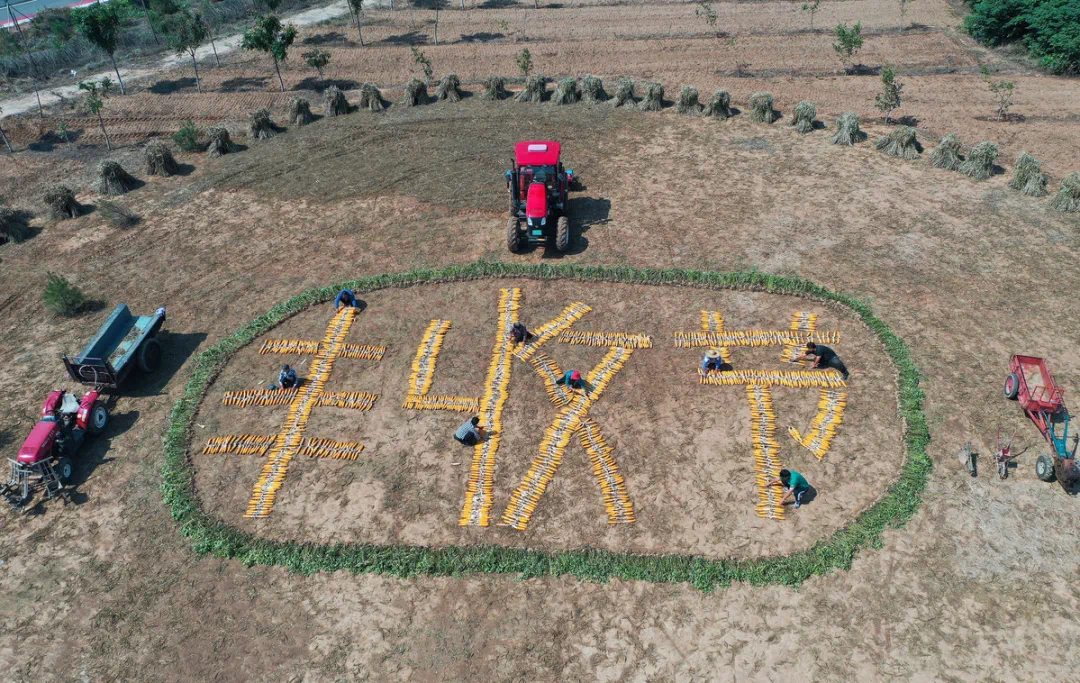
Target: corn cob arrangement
<point>355,400</point>
<point>478,492</point>
<point>689,340</point>
<point>258,397</point>
<point>362,351</point>
<point>620,510</point>
<point>606,339</point>
<point>289,347</point>
<point>552,329</point>
<point>241,444</point>
<point>550,372</point>
<point>713,321</point>
<point>800,322</point>
<point>823,427</point>
<point>335,450</point>
<point>423,374</point>
<point>766,450</point>
<point>795,379</point>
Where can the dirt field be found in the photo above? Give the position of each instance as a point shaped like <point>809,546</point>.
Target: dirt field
<point>980,585</point>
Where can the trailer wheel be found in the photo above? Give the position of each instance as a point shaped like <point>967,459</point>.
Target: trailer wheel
<point>99,417</point>
<point>64,470</point>
<point>150,355</point>
<point>513,236</point>
<point>1012,386</point>
<point>562,234</point>
<point>1044,468</point>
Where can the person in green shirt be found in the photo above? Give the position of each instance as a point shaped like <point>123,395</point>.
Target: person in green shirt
<point>794,484</point>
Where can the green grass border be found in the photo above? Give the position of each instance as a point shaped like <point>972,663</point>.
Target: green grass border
<point>215,537</point>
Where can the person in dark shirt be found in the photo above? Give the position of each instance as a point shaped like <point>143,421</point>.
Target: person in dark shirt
<point>345,298</point>
<point>287,378</point>
<point>824,357</point>
<point>519,334</point>
<point>794,484</point>
<point>470,432</point>
<point>572,379</point>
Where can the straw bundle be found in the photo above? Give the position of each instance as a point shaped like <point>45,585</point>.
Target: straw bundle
<point>370,98</point>
<point>847,130</point>
<point>159,159</point>
<point>300,111</point>
<point>761,108</point>
<point>900,143</point>
<point>60,200</point>
<point>335,102</point>
<point>592,90</point>
<point>654,97</point>
<point>566,92</point>
<point>1068,196</point>
<point>979,163</point>
<point>415,93</point>
<point>947,154</point>
<point>1028,177</point>
<point>113,179</point>
<point>534,90</point>
<point>719,105</point>
<point>804,115</point>
<point>624,93</point>
<point>495,89</point>
<point>220,142</point>
<point>449,89</point>
<point>260,125</point>
<point>688,101</point>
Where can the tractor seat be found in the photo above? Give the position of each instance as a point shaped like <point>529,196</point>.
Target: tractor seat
<point>69,406</point>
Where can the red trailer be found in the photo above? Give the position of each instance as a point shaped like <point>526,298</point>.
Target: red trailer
<point>1030,382</point>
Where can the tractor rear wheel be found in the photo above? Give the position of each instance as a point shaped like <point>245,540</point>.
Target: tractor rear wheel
<point>150,355</point>
<point>562,234</point>
<point>513,236</point>
<point>64,470</point>
<point>1012,386</point>
<point>99,417</point>
<point>1044,468</point>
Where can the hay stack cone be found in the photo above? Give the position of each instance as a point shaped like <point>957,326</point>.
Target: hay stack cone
<point>13,228</point>
<point>592,90</point>
<point>113,179</point>
<point>804,115</point>
<point>624,93</point>
<point>300,111</point>
<point>947,154</point>
<point>1028,177</point>
<point>566,92</point>
<point>159,160</point>
<point>979,163</point>
<point>220,142</point>
<point>688,101</point>
<point>449,89</point>
<point>415,93</point>
<point>719,106</point>
<point>60,201</point>
<point>654,97</point>
<point>260,125</point>
<point>370,98</point>
<point>335,102</point>
<point>761,108</point>
<point>534,90</point>
<point>847,130</point>
<point>495,89</point>
<point>900,143</point>
<point>1068,196</point>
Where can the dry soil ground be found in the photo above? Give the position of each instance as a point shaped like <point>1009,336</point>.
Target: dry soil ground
<point>980,585</point>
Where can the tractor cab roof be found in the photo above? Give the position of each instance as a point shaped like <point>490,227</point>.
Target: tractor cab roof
<point>537,153</point>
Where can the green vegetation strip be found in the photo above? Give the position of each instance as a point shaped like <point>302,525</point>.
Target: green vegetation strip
<point>215,537</point>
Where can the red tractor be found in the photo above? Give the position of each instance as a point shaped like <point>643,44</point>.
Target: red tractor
<point>538,186</point>
<point>44,461</point>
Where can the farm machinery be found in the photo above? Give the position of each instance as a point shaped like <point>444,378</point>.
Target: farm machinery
<point>1030,383</point>
<point>538,186</point>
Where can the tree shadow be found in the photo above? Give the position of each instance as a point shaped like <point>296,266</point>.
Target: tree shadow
<point>176,85</point>
<point>863,70</point>
<point>19,228</point>
<point>410,38</point>
<point>910,121</point>
<point>320,84</point>
<point>48,141</point>
<point>497,4</point>
<point>431,4</point>
<point>184,170</point>
<point>481,37</point>
<point>245,84</point>
<point>334,38</point>
<point>176,348</point>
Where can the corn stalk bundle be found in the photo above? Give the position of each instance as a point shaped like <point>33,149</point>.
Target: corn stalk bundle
<point>761,108</point>
<point>335,102</point>
<point>117,215</point>
<point>688,101</point>
<point>415,93</point>
<point>13,227</point>
<point>654,97</point>
<point>1028,177</point>
<point>371,98</point>
<point>947,154</point>
<point>592,90</point>
<point>804,115</point>
<point>533,91</point>
<point>220,142</point>
<point>624,93</point>
<point>260,125</point>
<point>979,163</point>
<point>719,105</point>
<point>113,179</point>
<point>1068,196</point>
<point>60,200</point>
<point>566,92</point>
<point>299,111</point>
<point>900,143</point>
<point>159,159</point>
<point>449,88</point>
<point>847,130</point>
<point>495,89</point>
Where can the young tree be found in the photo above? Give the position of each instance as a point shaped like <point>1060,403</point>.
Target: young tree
<point>269,36</point>
<point>524,62</point>
<point>100,24</point>
<point>96,94</point>
<point>317,59</point>
<point>848,42</point>
<point>203,17</point>
<point>422,61</point>
<point>437,4</point>
<point>1002,90</point>
<point>30,56</point>
<point>355,8</point>
<point>740,65</point>
<point>812,8</point>
<point>186,34</point>
<point>707,13</point>
<point>889,99</point>
<point>903,11</point>
<point>149,22</point>
<point>4,137</point>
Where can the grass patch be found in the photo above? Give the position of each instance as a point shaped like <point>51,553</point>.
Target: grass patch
<point>215,537</point>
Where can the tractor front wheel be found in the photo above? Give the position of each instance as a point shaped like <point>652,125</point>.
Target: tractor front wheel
<point>513,236</point>
<point>562,234</point>
<point>99,417</point>
<point>1012,386</point>
<point>150,355</point>
<point>64,470</point>
<point>1044,468</point>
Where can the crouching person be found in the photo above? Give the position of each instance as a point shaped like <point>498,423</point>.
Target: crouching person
<point>470,432</point>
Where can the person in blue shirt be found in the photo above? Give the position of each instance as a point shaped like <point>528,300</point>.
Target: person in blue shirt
<point>470,432</point>
<point>287,378</point>
<point>712,361</point>
<point>345,298</point>
<point>794,484</point>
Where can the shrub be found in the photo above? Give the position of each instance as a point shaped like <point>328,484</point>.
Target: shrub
<point>761,108</point>
<point>63,298</point>
<point>891,96</point>
<point>1028,177</point>
<point>947,154</point>
<point>847,130</point>
<point>566,92</point>
<point>688,101</point>
<point>260,125</point>
<point>900,143</point>
<point>335,102</point>
<point>534,90</point>
<point>624,93</point>
<point>159,159</point>
<point>117,215</point>
<point>187,138</point>
<point>495,89</point>
<point>979,163</point>
<point>220,142</point>
<point>1050,29</point>
<point>415,93</point>
<point>449,89</point>
<point>61,203</point>
<point>113,179</point>
<point>592,90</point>
<point>300,111</point>
<point>654,97</point>
<point>804,115</point>
<point>1068,196</point>
<point>719,105</point>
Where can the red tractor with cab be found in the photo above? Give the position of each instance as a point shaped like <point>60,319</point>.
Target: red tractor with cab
<point>45,459</point>
<point>539,187</point>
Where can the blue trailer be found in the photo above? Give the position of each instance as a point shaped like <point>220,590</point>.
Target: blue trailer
<point>123,342</point>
